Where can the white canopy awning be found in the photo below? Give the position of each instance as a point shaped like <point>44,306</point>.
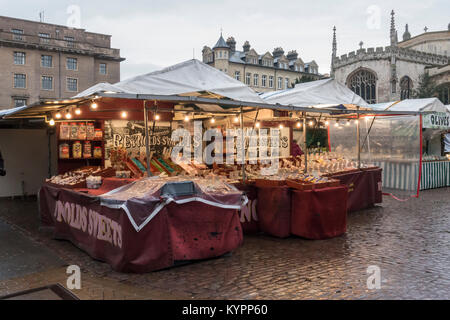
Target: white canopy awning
<point>6,112</point>
<point>189,78</point>
<point>319,94</point>
<point>416,105</point>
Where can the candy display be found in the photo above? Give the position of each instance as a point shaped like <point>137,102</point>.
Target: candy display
<point>98,135</point>
<point>93,182</point>
<point>98,152</point>
<point>123,174</point>
<point>118,157</point>
<point>77,150</point>
<point>74,131</point>
<point>330,162</point>
<point>77,178</point>
<point>64,131</point>
<point>64,151</point>
<point>90,131</point>
<point>73,178</point>
<point>87,149</point>
<point>82,131</point>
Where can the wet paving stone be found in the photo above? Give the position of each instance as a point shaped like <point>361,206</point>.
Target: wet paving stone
<point>408,241</point>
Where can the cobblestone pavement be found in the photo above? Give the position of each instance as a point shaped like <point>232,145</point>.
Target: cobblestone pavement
<point>409,241</point>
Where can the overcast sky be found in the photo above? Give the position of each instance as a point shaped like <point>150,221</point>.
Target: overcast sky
<point>154,34</point>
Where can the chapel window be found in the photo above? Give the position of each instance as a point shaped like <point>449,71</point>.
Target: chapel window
<point>364,84</point>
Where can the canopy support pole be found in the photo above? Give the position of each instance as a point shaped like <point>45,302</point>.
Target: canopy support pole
<point>242,145</point>
<point>358,140</point>
<point>147,139</point>
<point>305,152</point>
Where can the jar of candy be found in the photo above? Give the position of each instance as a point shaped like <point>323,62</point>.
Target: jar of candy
<point>98,134</point>
<point>64,152</point>
<point>64,131</point>
<point>90,131</point>
<point>98,152</point>
<point>82,131</point>
<point>87,149</point>
<point>77,150</point>
<point>73,131</point>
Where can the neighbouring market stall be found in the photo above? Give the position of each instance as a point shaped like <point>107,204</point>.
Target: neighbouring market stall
<point>406,169</point>
<point>363,179</point>
<point>123,198</point>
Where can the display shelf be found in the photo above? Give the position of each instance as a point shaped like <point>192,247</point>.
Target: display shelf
<point>72,140</point>
<point>71,163</point>
<point>80,159</point>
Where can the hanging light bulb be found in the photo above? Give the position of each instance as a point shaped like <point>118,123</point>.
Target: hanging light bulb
<point>51,122</point>
<point>348,123</point>
<point>236,119</point>
<point>94,105</point>
<point>299,124</point>
<point>356,121</point>
<point>281,126</point>
<point>186,118</point>
<point>124,114</point>
<point>311,123</point>
<point>257,125</point>
<point>327,123</point>
<point>68,115</point>
<point>58,115</point>
<point>157,117</point>
<point>336,124</point>
<point>78,111</point>
<point>213,120</point>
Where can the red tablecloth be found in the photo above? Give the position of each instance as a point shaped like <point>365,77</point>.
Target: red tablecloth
<point>319,214</point>
<point>178,232</point>
<point>274,211</point>
<point>248,214</point>
<point>364,188</point>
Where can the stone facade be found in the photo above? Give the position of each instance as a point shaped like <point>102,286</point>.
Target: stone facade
<point>70,54</point>
<point>395,68</point>
<point>262,72</point>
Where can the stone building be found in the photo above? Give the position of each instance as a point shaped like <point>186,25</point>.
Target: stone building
<point>41,61</point>
<point>262,72</point>
<point>391,73</point>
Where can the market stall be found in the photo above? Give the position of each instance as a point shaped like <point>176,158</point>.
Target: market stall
<point>149,224</point>
<point>364,185</point>
<point>127,166</point>
<point>108,143</point>
<point>420,162</point>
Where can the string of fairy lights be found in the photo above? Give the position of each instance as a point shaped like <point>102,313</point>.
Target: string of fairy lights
<point>66,115</point>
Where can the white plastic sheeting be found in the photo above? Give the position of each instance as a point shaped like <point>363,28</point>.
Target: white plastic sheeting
<point>320,94</point>
<point>390,142</point>
<point>186,78</point>
<point>6,112</point>
<point>447,143</point>
<point>97,88</point>
<point>417,105</point>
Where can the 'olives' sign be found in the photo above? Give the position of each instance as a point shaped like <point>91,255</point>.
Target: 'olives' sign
<point>437,120</point>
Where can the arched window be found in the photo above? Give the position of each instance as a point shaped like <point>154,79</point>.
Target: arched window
<point>364,84</point>
<point>406,86</point>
